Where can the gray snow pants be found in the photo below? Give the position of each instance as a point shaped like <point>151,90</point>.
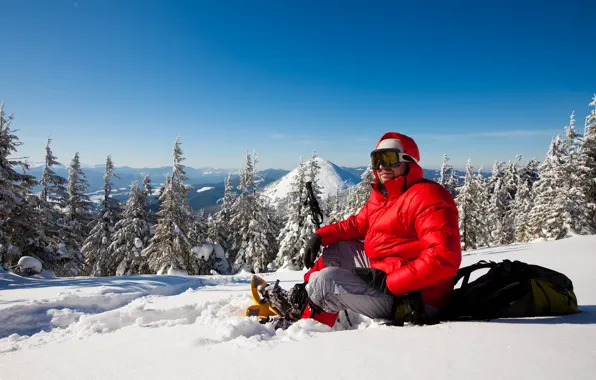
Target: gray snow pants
<point>335,288</point>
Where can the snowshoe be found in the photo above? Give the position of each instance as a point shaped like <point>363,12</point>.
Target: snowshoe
<point>276,322</point>
<point>279,301</point>
<point>273,303</point>
<point>261,308</point>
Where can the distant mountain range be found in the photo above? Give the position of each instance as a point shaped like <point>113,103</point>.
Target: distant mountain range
<point>209,183</point>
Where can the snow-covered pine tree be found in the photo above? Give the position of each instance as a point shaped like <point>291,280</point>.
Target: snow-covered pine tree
<point>53,189</point>
<point>530,173</point>
<point>79,207</point>
<point>453,183</point>
<point>96,245</point>
<point>148,192</point>
<point>501,201</point>
<point>448,176</point>
<point>545,217</point>
<point>290,239</point>
<point>78,214</point>
<point>524,200</point>
<point>169,250</point>
<point>497,173</point>
<point>180,190</point>
<point>562,205</point>
<point>20,229</point>
<point>253,223</point>
<point>266,236</point>
<point>131,234</point>
<point>53,199</point>
<point>335,204</point>
<point>358,196</point>
<point>498,212</point>
<point>445,170</point>
<point>198,229</point>
<point>577,181</point>
<point>588,153</point>
<point>219,230</point>
<point>471,205</point>
<point>522,207</point>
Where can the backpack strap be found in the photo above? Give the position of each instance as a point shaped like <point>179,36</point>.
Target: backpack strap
<point>467,271</point>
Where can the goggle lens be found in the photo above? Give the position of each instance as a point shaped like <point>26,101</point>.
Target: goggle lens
<point>389,159</point>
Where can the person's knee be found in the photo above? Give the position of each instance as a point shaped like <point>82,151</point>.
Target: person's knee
<point>322,283</point>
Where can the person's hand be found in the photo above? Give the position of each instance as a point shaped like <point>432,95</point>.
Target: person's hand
<point>311,250</point>
<point>375,278</point>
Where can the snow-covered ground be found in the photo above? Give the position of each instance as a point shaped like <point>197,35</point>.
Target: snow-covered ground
<point>169,327</point>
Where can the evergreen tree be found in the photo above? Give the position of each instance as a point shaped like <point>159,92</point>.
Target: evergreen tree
<point>169,249</point>
<point>299,224</point>
<point>562,204</point>
<point>545,218</point>
<point>471,205</point>
<point>501,211</point>
<point>180,190</point>
<point>53,199</point>
<point>588,153</point>
<point>77,216</point>
<point>522,207</point>
<point>524,200</point>
<point>530,173</point>
<point>96,245</point>
<point>198,229</point>
<point>148,192</point>
<point>335,210</point>
<point>448,177</point>
<point>453,183</point>
<point>359,195</point>
<point>79,207</point>
<point>132,234</point>
<point>219,230</point>
<point>577,184</point>
<point>53,188</point>
<point>20,229</point>
<point>290,238</point>
<point>253,222</point>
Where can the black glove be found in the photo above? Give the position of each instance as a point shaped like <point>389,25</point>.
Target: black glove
<point>375,278</point>
<point>311,251</point>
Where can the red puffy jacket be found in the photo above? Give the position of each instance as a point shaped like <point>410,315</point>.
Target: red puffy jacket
<point>412,234</point>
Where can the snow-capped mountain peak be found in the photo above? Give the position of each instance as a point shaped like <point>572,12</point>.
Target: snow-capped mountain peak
<point>330,177</point>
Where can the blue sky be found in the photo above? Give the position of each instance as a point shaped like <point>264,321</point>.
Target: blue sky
<point>480,80</point>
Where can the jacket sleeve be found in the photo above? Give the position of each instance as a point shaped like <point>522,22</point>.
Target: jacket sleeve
<point>436,224</point>
<point>354,227</point>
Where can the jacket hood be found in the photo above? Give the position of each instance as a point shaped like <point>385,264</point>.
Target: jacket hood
<point>397,186</point>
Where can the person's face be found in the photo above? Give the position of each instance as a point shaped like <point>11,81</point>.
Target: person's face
<point>390,173</point>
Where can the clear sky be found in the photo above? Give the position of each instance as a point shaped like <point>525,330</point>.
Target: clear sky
<point>479,79</point>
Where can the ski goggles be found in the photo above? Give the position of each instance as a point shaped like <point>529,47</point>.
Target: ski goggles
<point>389,158</point>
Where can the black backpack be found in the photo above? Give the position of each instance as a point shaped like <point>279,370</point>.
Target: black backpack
<point>510,289</point>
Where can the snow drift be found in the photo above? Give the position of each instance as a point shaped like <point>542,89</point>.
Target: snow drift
<point>166,327</point>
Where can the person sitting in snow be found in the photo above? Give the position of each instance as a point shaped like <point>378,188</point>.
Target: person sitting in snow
<point>396,258</point>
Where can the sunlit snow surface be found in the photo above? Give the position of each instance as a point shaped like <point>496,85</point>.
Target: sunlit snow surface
<point>177,327</point>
